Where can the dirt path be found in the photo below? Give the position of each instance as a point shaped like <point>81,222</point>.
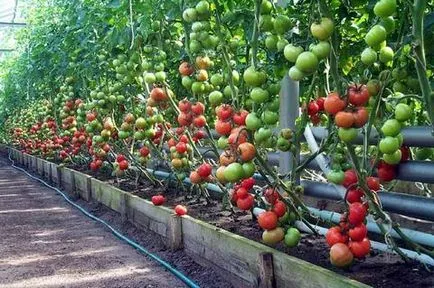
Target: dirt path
<point>44,242</point>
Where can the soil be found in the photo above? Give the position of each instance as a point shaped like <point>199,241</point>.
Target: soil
<point>380,270</point>
<point>46,242</point>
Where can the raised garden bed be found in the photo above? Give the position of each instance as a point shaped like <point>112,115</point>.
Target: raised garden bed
<point>234,256</point>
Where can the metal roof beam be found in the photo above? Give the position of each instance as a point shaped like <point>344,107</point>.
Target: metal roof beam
<point>12,24</point>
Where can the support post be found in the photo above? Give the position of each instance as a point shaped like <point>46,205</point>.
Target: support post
<point>123,207</point>
<point>288,113</point>
<point>266,271</point>
<point>174,233</point>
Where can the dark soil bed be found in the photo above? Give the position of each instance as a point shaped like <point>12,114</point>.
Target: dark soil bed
<point>379,270</point>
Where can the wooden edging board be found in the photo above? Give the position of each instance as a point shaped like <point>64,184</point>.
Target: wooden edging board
<point>238,259</point>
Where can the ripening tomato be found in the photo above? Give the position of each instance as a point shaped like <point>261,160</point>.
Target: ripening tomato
<point>180,210</point>
<point>340,255</point>
<point>123,165</point>
<point>344,119</point>
<point>239,118</point>
<point>333,103</point>
<point>312,108</point>
<point>247,151</point>
<point>273,236</point>
<point>241,193</point>
<point>360,248</point>
<point>361,117</point>
<point>248,183</point>
<point>198,108</point>
<point>186,69</point>
<point>334,235</point>
<point>195,177</point>
<point>184,106</point>
<point>223,127</point>
<point>181,147</point>
<point>267,220</point>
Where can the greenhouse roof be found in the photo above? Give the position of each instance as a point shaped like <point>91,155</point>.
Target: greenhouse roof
<point>12,18</point>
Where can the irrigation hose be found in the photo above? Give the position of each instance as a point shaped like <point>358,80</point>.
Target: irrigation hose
<point>178,274</point>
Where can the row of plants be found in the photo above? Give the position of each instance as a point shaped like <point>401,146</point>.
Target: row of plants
<point>123,86</point>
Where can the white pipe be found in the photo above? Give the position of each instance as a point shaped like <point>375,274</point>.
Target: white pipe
<point>374,244</point>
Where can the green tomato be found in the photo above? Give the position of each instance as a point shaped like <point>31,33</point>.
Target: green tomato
<point>150,78</point>
<point>321,50</point>
<point>269,117</point>
<point>389,145</point>
<point>336,177</point>
<point>262,134</point>
<point>291,52</point>
<point>393,158</point>
<point>399,87</point>
<point>399,74</point>
<point>259,95</point>
<point>215,98</point>
<point>403,112</point>
<point>295,74</point>
<point>254,78</point>
<point>323,30</point>
<point>271,42</point>
<point>222,142</point>
<point>216,79</point>
<point>253,122</point>
<point>375,36</point>
<point>233,172</point>
<point>266,23</point>
<point>385,8</point>
<point>227,92</point>
<point>281,24</point>
<point>369,56</point>
<point>386,54</point>
<point>266,7</point>
<point>281,44</point>
<point>248,169</point>
<point>202,7</point>
<point>391,127</point>
<point>388,23</point>
<point>292,237</point>
<point>347,134</point>
<point>283,144</point>
<point>307,62</point>
<point>198,87</point>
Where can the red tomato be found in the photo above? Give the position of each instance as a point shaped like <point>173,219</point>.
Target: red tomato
<point>267,220</point>
<point>181,147</point>
<point>344,119</point>
<point>386,173</point>
<point>241,193</point>
<point>224,111</point>
<point>320,103</point>
<point>312,108</point>
<point>350,178</point>
<point>271,195</point>
<point>239,118</point>
<point>358,232</point>
<point>354,195</point>
<point>223,128</point>
<point>180,210</point>
<point>405,153</point>
<point>373,183</point>
<point>357,213</point>
<point>358,95</point>
<point>246,203</point>
<point>144,151</point>
<point>334,235</point>
<point>204,170</point>
<point>279,208</point>
<point>198,108</point>
<point>184,106</point>
<point>248,183</point>
<point>123,165</point>
<point>120,158</point>
<point>158,200</point>
<point>360,248</point>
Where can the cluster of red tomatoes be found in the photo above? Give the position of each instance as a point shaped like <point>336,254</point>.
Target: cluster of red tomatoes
<point>349,239</point>
<point>121,162</point>
<point>345,116</point>
<point>314,108</point>
<point>201,174</point>
<point>191,114</point>
<point>242,196</point>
